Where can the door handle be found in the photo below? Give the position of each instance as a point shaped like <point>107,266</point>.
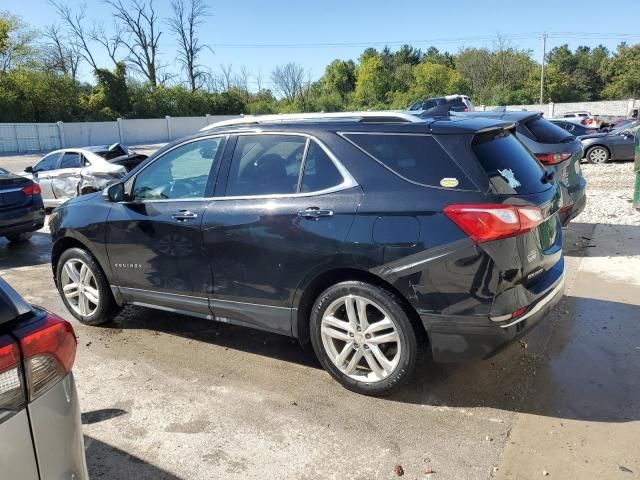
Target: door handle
<point>183,215</point>
<point>315,213</point>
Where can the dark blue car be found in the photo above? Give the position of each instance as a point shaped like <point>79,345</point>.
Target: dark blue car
<point>21,207</point>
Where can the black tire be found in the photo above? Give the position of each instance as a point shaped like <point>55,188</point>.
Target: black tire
<point>19,237</point>
<point>598,154</point>
<point>107,308</point>
<point>393,307</point>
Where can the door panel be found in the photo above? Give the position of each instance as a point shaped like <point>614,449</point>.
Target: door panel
<point>154,239</point>
<point>260,249</point>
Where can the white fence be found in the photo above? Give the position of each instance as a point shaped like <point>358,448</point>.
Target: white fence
<point>37,137</point>
<point>607,108</point>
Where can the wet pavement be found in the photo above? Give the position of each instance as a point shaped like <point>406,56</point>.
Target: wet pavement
<point>167,396</point>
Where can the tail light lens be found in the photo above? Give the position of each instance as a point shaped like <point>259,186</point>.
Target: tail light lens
<point>487,222</point>
<point>49,351</point>
<point>32,189</point>
<point>553,158</point>
<point>11,390</point>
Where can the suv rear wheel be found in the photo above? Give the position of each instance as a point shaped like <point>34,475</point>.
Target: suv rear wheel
<point>84,288</point>
<point>363,338</point>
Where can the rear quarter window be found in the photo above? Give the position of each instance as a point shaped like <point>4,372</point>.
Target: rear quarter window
<point>543,131</point>
<point>510,167</point>
<point>417,158</point>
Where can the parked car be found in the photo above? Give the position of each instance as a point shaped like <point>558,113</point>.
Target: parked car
<point>617,144</point>
<point>21,207</point>
<point>574,129</point>
<point>370,234</point>
<point>40,427</point>
<point>581,118</point>
<point>555,148</point>
<point>69,172</point>
<point>458,103</point>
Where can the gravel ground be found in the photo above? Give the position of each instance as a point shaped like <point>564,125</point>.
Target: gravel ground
<point>609,194</point>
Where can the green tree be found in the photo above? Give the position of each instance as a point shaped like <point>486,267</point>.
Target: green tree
<point>339,77</point>
<point>371,82</point>
<point>623,73</point>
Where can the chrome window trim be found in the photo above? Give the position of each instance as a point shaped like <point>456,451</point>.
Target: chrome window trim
<point>348,180</point>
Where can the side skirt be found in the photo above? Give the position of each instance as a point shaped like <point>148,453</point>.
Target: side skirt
<point>262,317</point>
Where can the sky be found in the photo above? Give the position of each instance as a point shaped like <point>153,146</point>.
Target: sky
<point>263,34</point>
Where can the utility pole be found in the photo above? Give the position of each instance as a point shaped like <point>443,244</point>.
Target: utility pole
<point>544,53</point>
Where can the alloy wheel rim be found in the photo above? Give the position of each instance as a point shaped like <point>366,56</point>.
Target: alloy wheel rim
<point>361,338</point>
<point>79,287</point>
<point>598,155</point>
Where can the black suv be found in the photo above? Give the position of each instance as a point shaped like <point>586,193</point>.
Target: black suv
<point>372,235</point>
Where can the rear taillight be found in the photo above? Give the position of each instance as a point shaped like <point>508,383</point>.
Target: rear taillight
<point>32,189</point>
<point>553,158</point>
<point>49,351</point>
<point>486,222</point>
<point>11,390</point>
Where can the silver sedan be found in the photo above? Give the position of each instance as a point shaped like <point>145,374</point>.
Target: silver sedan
<point>66,173</point>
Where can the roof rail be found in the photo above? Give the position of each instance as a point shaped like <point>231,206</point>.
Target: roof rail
<point>385,115</point>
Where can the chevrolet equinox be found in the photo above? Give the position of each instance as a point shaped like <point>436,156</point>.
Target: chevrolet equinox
<point>370,234</point>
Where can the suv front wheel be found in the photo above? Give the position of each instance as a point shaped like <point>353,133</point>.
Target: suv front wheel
<point>84,288</point>
<point>364,338</point>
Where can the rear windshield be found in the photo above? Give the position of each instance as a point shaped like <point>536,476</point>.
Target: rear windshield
<point>543,131</point>
<point>509,165</point>
<point>417,158</point>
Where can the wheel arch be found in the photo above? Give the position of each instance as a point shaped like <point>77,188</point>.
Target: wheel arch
<point>330,277</point>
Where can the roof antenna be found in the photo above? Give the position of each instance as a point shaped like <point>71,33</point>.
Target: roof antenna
<point>437,111</point>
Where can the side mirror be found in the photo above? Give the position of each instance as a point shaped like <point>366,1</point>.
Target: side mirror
<point>626,133</point>
<point>114,193</point>
<point>29,169</point>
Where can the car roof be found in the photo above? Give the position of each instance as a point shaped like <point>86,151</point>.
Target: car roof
<point>421,124</point>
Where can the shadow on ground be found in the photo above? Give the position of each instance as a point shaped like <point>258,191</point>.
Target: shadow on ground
<point>36,251</point>
<point>105,461</point>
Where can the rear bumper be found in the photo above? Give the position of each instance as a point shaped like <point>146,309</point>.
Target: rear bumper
<point>457,338</point>
<point>26,219</point>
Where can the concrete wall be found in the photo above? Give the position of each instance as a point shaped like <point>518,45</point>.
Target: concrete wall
<point>607,108</point>
<point>35,137</point>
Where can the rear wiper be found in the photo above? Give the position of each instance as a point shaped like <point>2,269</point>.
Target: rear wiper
<point>548,175</point>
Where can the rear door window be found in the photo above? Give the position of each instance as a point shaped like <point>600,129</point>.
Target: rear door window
<point>71,160</point>
<point>417,158</point>
<point>266,165</point>
<point>543,131</point>
<point>508,164</point>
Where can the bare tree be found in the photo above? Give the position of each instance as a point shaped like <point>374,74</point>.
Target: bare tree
<point>61,54</point>
<point>140,37</point>
<point>288,80</point>
<point>242,78</point>
<point>111,42</point>
<point>184,24</point>
<point>259,79</point>
<point>75,21</point>
<point>226,78</point>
